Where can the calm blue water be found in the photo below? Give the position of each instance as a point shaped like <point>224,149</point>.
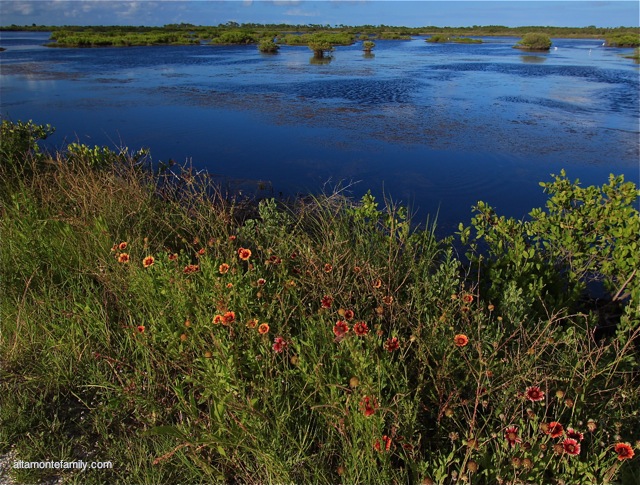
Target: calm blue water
<point>437,127</point>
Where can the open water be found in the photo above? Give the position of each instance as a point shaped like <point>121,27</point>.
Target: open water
<point>434,126</point>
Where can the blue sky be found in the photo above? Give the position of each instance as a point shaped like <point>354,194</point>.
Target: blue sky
<point>412,13</point>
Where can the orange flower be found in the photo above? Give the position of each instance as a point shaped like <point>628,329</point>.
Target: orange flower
<point>326,302</point>
<point>511,435</point>
<point>202,251</point>
<point>571,447</point>
<point>122,246</point>
<point>232,238</point>
<point>534,393</point>
<point>349,314</point>
<point>244,254</point>
<point>218,319</point>
<point>123,258</point>
<point>368,406</point>
<point>340,328</point>
<point>228,318</point>
<point>377,283</point>
<point>467,298</point>
<point>624,451</point>
<point>140,328</point>
<point>191,268</point>
<point>223,268</point>
<point>555,429</point>
<point>387,300</point>
<point>361,329</point>
<point>328,268</point>
<point>263,328</point>
<point>387,443</point>
<point>253,323</point>
<point>392,344</point>
<point>173,257</point>
<point>148,261</point>
<point>460,340</point>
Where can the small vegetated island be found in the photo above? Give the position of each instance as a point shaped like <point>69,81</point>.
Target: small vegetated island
<point>534,41</point>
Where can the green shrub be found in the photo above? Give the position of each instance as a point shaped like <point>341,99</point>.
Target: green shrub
<point>534,42</point>
<point>368,46</point>
<point>268,46</point>
<point>623,40</point>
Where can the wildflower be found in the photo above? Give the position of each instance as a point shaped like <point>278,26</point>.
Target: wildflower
<point>328,268</point>
<point>273,259</point>
<point>208,355</point>
<point>361,329</point>
<point>534,393</point>
<point>467,298</point>
<point>460,340</point>
<point>279,344</point>
<point>387,300</point>
<point>183,337</point>
<point>294,255</point>
<point>228,318</point>
<point>368,406</point>
<point>569,403</point>
<point>223,268</point>
<point>122,246</point>
<point>140,328</point>
<point>123,258</point>
<point>472,466</point>
<point>377,283</point>
<point>244,254</point>
<point>263,328</point>
<point>516,462</point>
<point>559,393</point>
<point>354,382</point>
<point>349,314</point>
<point>491,308</point>
<point>261,281</point>
<point>232,238</point>
<point>326,301</point>
<point>357,269</point>
<point>253,323</point>
<point>187,323</point>
<point>392,344</point>
<point>387,444</point>
<point>573,434</point>
<point>218,319</point>
<point>191,268</point>
<point>571,447</point>
<point>624,451</point>
<point>229,285</point>
<point>202,251</point>
<point>340,328</point>
<point>148,261</point>
<point>527,463</point>
<point>448,412</point>
<point>555,429</point>
<point>558,448</point>
<point>511,435</point>
<point>173,257</point>
<point>592,425</point>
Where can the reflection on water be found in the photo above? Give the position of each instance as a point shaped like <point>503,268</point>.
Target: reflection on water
<point>439,126</point>
<point>320,61</point>
<point>533,59</point>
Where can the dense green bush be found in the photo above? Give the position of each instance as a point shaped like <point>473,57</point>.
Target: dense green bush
<point>623,40</point>
<point>268,46</point>
<point>534,42</point>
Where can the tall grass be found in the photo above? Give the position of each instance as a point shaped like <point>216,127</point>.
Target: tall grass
<point>190,337</point>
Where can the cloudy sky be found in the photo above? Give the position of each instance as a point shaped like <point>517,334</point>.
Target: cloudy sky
<point>412,13</point>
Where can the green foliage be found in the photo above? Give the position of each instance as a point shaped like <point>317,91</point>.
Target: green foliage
<point>534,42</point>
<point>443,38</point>
<point>393,36</point>
<point>235,37</point>
<point>131,309</point>
<point>623,40</point>
<point>19,145</point>
<point>268,46</point>
<point>584,235</point>
<point>368,46</point>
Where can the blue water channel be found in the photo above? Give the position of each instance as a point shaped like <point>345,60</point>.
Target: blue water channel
<point>433,126</point>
